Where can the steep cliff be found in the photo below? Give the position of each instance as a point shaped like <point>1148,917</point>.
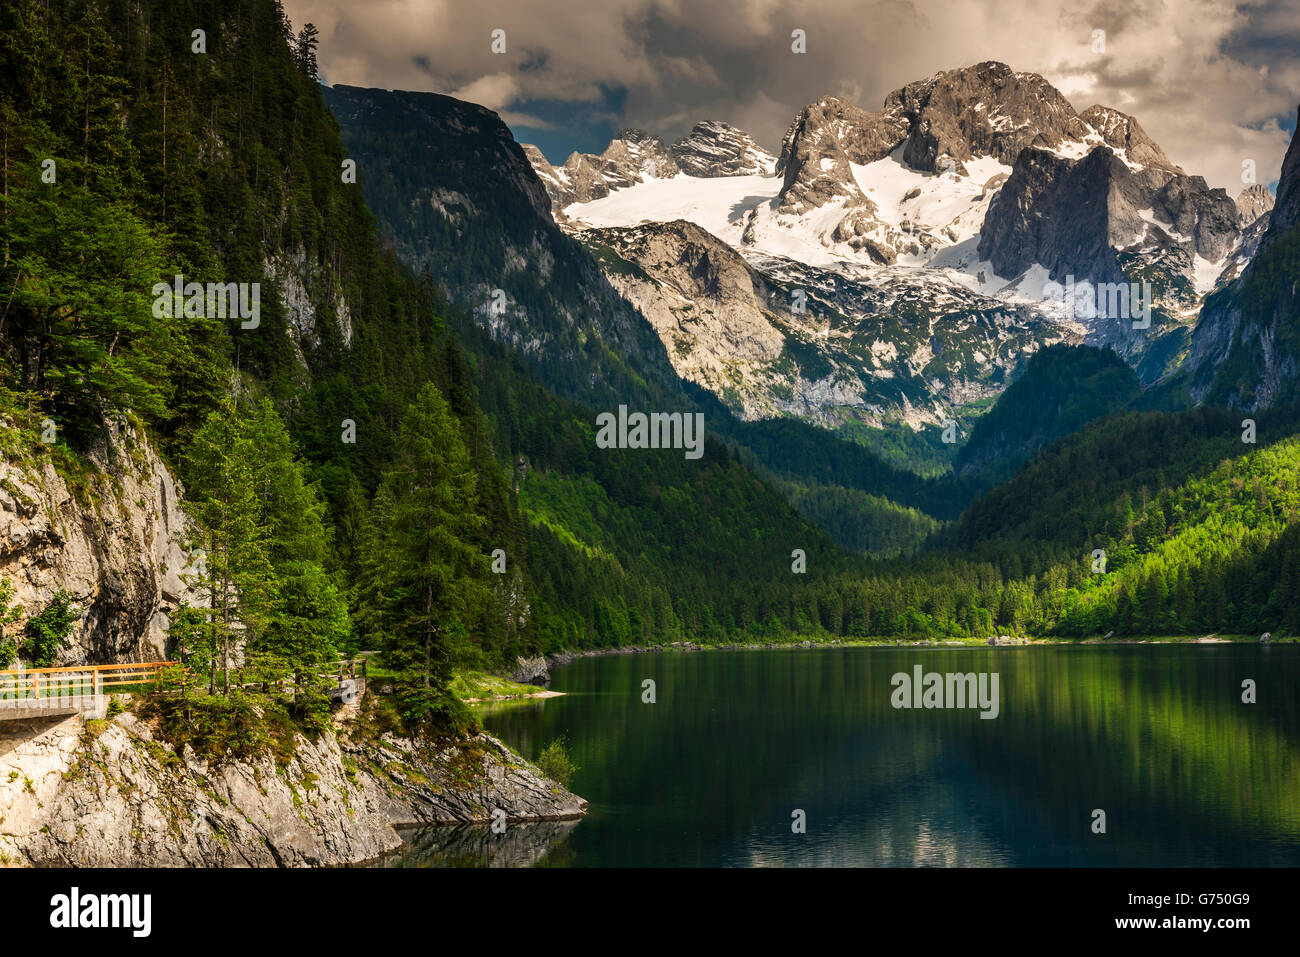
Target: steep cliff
<point>108,529</point>
<point>1245,351</point>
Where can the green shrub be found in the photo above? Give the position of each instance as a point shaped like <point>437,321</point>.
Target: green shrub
<point>48,632</point>
<point>555,762</point>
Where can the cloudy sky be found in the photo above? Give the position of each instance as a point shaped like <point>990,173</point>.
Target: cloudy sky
<point>1215,83</point>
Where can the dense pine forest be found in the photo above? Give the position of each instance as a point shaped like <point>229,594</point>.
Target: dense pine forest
<point>387,476</point>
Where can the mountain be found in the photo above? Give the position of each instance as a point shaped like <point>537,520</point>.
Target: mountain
<point>458,197</point>
<point>713,148</point>
<point>573,314</point>
<point>710,149</point>
<point>1245,351</point>
<point>774,337</point>
<point>926,236</point>
<point>1061,390</point>
<point>1253,203</point>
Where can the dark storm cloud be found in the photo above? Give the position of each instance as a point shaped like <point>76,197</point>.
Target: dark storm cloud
<point>1208,80</point>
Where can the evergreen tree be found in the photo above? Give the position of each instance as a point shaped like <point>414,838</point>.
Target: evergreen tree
<point>433,578</point>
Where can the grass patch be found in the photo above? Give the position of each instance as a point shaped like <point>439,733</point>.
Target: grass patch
<point>470,685</point>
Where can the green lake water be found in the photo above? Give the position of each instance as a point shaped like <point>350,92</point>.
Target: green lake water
<point>1156,736</point>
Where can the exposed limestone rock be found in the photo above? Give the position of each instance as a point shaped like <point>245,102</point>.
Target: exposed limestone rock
<point>532,671</point>
<point>713,148</point>
<point>834,355</point>
<point>1253,202</point>
<point>114,796</point>
<point>1072,215</point>
<point>115,545</point>
<point>1243,351</point>
<point>1123,134</point>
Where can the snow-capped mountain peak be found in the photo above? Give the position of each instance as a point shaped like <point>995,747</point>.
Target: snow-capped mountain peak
<point>975,185</point>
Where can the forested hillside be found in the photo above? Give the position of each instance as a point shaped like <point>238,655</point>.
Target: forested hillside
<point>1061,389</point>
<point>351,468</point>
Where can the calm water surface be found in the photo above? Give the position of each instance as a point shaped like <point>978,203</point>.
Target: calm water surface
<point>1156,736</point>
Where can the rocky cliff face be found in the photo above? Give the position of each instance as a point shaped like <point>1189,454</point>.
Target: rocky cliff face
<point>1245,351</point>
<point>713,148</point>
<point>1254,203</point>
<point>630,158</point>
<point>116,797</point>
<point>1075,216</point>
<point>985,110</point>
<point>775,337</point>
<point>471,209</point>
<point>113,537</point>
<point>958,122</point>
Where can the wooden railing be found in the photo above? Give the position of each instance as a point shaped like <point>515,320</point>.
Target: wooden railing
<point>36,680</point>
<point>347,668</point>
<point>75,688</point>
<point>22,688</point>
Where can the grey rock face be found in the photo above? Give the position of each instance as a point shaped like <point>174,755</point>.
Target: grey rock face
<point>862,346</point>
<point>531,671</point>
<point>1123,133</point>
<point>1243,350</point>
<point>984,110</point>
<point>120,798</point>
<point>119,553</point>
<point>1253,202</point>
<point>628,159</point>
<point>713,148</point>
<point>821,143</point>
<point>1071,216</point>
<point>1208,216</point>
<point>1055,212</point>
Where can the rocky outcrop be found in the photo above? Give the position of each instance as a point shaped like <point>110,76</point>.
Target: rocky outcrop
<point>531,671</point>
<point>713,148</point>
<point>1245,351</point>
<point>630,158</point>
<point>112,537</point>
<point>115,796</point>
<point>1126,137</point>
<point>984,110</point>
<point>818,148</point>
<point>1253,202</point>
<point>1074,216</point>
<point>1055,212</point>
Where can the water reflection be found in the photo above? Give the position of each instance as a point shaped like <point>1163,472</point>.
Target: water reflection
<point>709,775</point>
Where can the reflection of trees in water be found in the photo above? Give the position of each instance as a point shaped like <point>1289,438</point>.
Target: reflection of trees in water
<point>1156,736</point>
<point>474,845</point>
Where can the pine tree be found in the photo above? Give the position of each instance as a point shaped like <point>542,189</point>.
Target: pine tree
<point>309,620</point>
<point>79,324</point>
<point>233,563</point>
<point>305,50</point>
<point>433,579</point>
